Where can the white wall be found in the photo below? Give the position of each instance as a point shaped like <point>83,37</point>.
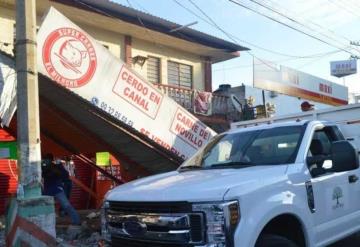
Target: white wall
<point>284,104</point>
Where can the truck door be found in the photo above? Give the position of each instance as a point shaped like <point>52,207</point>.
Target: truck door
<point>336,194</point>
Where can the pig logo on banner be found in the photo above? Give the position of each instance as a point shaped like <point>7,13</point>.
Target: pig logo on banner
<point>69,57</point>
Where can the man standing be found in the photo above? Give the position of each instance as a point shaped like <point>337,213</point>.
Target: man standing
<point>53,186</point>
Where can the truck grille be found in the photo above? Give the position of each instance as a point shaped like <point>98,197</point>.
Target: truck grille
<point>126,242</point>
<point>171,224</point>
<point>151,207</point>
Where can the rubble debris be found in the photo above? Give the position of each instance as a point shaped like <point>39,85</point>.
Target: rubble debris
<point>73,232</point>
<point>93,215</point>
<point>94,240</point>
<point>2,237</point>
<point>87,234</point>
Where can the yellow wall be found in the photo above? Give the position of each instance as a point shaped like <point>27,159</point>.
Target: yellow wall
<point>115,42</point>
<point>6,28</point>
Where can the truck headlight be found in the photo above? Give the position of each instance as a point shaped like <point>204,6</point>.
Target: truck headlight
<point>221,220</point>
<point>104,224</point>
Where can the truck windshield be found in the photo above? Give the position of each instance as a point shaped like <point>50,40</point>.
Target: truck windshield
<point>249,148</point>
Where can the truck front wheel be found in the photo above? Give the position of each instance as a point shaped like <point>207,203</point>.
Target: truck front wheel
<point>269,240</point>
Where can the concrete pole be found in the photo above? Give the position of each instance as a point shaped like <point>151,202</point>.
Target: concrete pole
<point>30,208</point>
<point>28,126</point>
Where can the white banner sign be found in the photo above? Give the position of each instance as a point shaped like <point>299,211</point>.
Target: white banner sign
<point>75,60</point>
<point>343,68</point>
<point>284,80</point>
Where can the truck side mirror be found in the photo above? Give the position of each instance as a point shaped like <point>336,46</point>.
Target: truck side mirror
<point>344,156</point>
<point>317,159</point>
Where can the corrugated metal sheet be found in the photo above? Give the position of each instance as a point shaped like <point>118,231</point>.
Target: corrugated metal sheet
<point>8,174</point>
<point>6,136</point>
<point>8,184</point>
<point>79,198</point>
<point>124,142</point>
<point>8,181</point>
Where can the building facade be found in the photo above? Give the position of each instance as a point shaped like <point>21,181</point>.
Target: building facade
<point>177,63</point>
<point>181,58</point>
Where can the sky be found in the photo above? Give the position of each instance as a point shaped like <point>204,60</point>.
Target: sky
<point>336,22</point>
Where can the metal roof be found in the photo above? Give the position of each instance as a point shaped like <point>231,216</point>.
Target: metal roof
<point>130,15</point>
<point>124,142</point>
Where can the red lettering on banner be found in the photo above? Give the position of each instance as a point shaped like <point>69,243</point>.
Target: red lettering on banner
<point>137,92</point>
<point>136,98</point>
<point>162,143</point>
<point>155,98</point>
<point>189,129</point>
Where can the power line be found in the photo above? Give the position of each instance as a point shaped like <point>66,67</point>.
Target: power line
<point>234,38</point>
<point>289,26</point>
<point>322,27</point>
<point>311,62</point>
<point>292,19</point>
<point>319,56</point>
<point>229,35</point>
<point>345,9</point>
<point>212,21</point>
<point>152,38</point>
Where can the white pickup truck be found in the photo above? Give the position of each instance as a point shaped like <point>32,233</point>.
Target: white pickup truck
<point>290,181</point>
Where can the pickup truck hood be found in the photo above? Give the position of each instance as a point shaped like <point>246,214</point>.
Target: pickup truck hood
<point>196,185</point>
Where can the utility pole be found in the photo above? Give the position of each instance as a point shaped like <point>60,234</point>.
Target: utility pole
<point>28,126</point>
<point>29,206</point>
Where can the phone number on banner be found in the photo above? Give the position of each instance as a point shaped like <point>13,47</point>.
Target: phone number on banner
<point>113,112</point>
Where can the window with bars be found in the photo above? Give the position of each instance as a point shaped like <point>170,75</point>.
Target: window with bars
<point>179,74</point>
<point>153,69</point>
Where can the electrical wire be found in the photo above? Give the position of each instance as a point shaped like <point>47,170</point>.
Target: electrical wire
<point>289,26</point>
<point>312,22</point>
<point>226,33</point>
<point>344,9</point>
<point>311,62</point>
<point>229,35</point>
<point>294,20</point>
<point>233,37</point>
<point>147,30</point>
<point>237,39</point>
<point>320,56</point>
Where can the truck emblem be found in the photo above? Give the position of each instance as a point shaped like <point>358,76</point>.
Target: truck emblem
<point>337,195</point>
<point>134,228</point>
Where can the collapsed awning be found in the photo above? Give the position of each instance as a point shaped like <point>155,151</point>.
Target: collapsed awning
<point>127,144</point>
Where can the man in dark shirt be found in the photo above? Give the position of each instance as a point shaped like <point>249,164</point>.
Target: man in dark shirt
<point>66,183</point>
<point>53,186</point>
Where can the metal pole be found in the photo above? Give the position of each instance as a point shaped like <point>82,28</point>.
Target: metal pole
<point>28,127</point>
<point>264,102</point>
